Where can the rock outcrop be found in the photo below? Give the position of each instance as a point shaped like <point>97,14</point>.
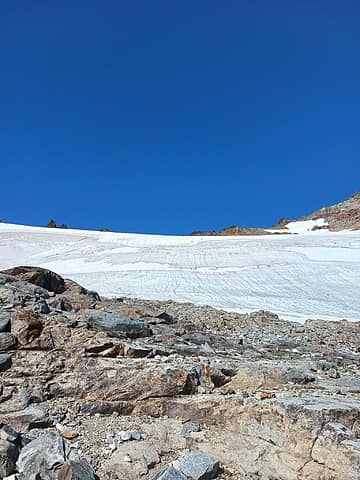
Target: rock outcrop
<point>342,216</point>
<point>126,389</point>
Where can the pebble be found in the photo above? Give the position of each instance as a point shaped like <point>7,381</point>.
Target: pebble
<point>124,435</point>
<point>135,435</point>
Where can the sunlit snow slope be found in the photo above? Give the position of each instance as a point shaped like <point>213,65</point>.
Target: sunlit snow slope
<point>309,275</point>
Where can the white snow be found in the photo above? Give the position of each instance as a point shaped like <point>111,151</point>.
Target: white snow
<point>314,274</point>
<point>301,226</point>
<point>305,225</point>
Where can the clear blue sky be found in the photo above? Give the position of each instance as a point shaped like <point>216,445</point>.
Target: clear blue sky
<point>171,116</point>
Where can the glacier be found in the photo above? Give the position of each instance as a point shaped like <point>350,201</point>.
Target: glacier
<point>311,274</point>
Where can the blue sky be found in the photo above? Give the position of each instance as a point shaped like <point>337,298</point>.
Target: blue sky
<point>173,116</point>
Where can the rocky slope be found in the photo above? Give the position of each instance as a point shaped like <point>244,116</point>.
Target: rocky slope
<point>342,216</point>
<point>126,389</point>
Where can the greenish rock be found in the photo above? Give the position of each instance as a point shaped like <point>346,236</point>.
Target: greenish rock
<point>117,325</point>
<point>198,466</point>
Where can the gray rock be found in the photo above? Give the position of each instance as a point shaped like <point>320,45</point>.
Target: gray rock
<point>198,466</point>
<point>135,350</point>
<point>80,469</point>
<point>7,341</point>
<point>4,321</point>
<point>48,457</point>
<point>9,434</point>
<point>32,416</point>
<point>10,444</point>
<point>189,428</point>
<point>8,456</point>
<point>135,435</point>
<point>5,362</point>
<point>42,457</point>
<point>324,365</point>
<point>300,375</point>
<point>42,307</point>
<point>16,292</point>
<point>169,473</point>
<point>115,324</point>
<point>124,435</point>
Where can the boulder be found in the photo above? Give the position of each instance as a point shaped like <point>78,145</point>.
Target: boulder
<point>117,325</point>
<point>78,469</point>
<point>48,457</point>
<point>41,277</point>
<point>198,466</point>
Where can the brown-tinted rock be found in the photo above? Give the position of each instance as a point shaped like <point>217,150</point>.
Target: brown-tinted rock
<point>140,457</point>
<point>292,436</point>
<point>106,379</point>
<point>33,416</point>
<point>342,216</point>
<point>270,374</point>
<point>42,277</point>
<point>27,326</point>
<point>75,298</point>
